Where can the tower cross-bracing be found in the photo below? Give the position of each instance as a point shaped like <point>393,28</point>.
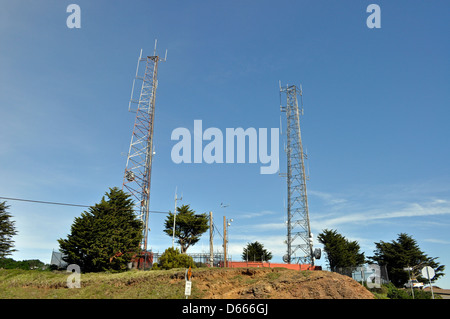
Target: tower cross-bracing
<point>137,177</point>
<point>299,237</point>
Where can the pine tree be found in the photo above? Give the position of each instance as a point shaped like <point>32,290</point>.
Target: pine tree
<point>107,228</point>
<point>256,252</point>
<point>341,252</point>
<point>401,253</point>
<point>7,231</point>
<point>188,227</point>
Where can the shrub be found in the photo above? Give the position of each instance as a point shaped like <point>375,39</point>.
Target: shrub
<point>172,258</point>
<point>155,266</point>
<point>399,293</point>
<point>422,294</point>
<point>396,293</point>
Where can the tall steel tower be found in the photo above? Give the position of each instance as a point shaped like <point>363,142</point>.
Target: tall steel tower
<point>298,227</point>
<point>138,170</point>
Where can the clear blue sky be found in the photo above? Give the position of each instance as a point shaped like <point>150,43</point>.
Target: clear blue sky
<point>375,124</point>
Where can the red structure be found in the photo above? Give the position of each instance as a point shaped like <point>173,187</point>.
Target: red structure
<point>142,261</point>
<point>258,264</point>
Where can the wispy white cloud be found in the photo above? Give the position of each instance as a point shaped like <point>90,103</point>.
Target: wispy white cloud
<point>436,207</point>
<point>375,205</point>
<point>328,198</point>
<point>244,214</point>
<point>437,241</point>
<point>263,227</point>
<point>275,244</point>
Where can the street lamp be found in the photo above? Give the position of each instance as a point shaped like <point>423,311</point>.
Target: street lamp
<point>175,216</point>
<point>408,269</point>
<point>225,239</point>
<point>229,221</point>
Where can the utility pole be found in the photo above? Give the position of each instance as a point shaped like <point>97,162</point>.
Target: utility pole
<point>211,250</point>
<point>175,216</point>
<point>224,241</point>
<point>224,234</point>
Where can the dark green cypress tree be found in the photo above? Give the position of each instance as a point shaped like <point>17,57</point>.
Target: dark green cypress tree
<point>401,253</point>
<point>107,228</point>
<point>341,252</point>
<point>256,252</point>
<point>188,226</point>
<point>7,231</point>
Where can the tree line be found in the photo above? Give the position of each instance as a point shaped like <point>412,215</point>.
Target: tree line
<point>107,236</point>
<point>395,255</point>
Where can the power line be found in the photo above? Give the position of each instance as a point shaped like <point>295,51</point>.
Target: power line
<point>43,202</point>
<point>62,204</point>
<point>216,229</point>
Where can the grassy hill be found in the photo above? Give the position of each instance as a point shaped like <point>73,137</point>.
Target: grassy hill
<point>207,283</point>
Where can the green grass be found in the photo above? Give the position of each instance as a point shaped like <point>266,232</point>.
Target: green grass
<point>155,284</point>
<point>26,284</point>
<point>273,275</point>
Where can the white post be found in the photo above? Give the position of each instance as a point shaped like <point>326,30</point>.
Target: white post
<point>174,218</point>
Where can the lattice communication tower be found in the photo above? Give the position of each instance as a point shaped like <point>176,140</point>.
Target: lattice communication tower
<point>137,177</point>
<point>299,236</point>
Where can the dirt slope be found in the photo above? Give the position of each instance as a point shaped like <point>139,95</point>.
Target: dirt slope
<point>277,283</point>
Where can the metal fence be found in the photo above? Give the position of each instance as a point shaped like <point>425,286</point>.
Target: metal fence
<point>200,259</point>
<point>369,273</point>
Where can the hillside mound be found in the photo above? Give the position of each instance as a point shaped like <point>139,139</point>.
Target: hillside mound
<point>273,283</point>
<point>207,283</point>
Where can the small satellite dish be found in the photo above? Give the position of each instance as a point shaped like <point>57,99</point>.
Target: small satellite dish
<point>317,253</point>
<point>129,175</point>
<point>286,258</point>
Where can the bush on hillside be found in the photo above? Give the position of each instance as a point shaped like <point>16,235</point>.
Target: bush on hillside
<point>172,258</point>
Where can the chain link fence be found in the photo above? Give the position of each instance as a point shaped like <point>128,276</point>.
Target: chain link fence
<point>371,274</point>
<point>200,259</point>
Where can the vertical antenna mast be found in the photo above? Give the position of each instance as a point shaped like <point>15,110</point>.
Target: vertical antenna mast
<point>138,169</point>
<point>298,227</point>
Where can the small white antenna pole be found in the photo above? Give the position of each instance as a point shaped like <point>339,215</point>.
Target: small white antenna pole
<point>174,218</point>
<point>281,127</point>
<point>301,97</point>
<point>134,80</point>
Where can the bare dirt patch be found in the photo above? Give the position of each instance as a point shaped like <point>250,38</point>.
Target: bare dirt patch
<point>207,283</point>
<point>274,283</point>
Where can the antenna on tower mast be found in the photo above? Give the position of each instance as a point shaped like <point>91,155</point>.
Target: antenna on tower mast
<point>137,176</point>
<point>299,234</point>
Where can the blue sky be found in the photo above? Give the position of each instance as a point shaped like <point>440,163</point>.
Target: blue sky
<point>375,123</point>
